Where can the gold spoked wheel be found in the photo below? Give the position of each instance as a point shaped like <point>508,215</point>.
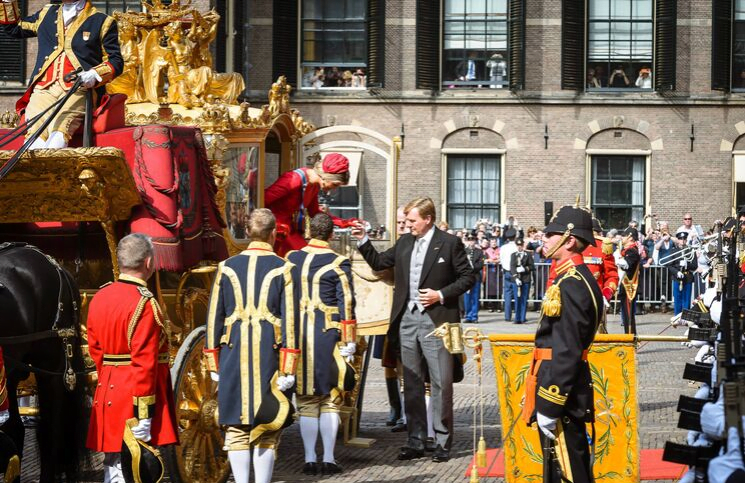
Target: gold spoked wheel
<point>200,457</point>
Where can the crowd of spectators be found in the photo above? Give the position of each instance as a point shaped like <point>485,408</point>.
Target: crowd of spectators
<point>658,244</point>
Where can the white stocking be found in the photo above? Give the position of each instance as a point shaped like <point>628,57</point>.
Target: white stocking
<point>329,429</point>
<point>240,463</point>
<point>112,468</point>
<point>56,141</point>
<point>309,432</point>
<point>263,465</point>
<point>430,417</point>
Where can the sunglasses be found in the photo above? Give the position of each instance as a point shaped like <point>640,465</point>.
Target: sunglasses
<point>687,218</point>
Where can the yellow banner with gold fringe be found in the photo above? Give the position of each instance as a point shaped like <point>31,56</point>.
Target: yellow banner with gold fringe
<point>612,361</point>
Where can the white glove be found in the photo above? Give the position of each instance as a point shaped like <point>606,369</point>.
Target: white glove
<point>142,430</point>
<point>520,270</point>
<point>622,264</point>
<point>348,351</point>
<point>547,425</point>
<point>89,78</point>
<point>702,353</point>
<point>606,303</point>
<point>518,282</point>
<point>215,376</point>
<point>703,392</point>
<point>680,275</point>
<point>723,467</point>
<point>715,311</point>
<point>689,476</point>
<point>285,382</point>
<point>4,416</point>
<point>712,419</point>
<point>683,264</point>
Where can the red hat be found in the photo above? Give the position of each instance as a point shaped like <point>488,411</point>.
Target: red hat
<point>335,163</point>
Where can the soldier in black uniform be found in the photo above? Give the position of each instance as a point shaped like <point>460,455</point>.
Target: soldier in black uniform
<point>558,392</point>
<point>627,261</point>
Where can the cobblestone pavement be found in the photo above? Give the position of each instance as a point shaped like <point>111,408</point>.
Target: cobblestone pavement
<point>660,366</point>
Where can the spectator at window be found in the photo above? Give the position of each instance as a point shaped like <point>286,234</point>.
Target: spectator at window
<point>347,78</point>
<point>334,78</point>
<point>318,79</point>
<point>600,75</point>
<point>740,79</point>
<point>467,69</point>
<point>618,77</point>
<point>592,81</point>
<point>644,81</point>
<point>359,79</point>
<point>497,69</point>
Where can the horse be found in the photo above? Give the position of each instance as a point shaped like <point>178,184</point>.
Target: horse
<point>39,320</point>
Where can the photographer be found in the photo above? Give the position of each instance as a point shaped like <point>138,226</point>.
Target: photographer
<point>618,77</point>
<point>644,81</point>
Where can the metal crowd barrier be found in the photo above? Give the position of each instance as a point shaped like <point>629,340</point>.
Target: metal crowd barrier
<point>655,285</point>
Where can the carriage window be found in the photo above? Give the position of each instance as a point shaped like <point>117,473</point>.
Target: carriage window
<point>619,45</point>
<point>473,186</point>
<point>334,44</point>
<point>618,186</point>
<point>475,44</point>
<point>241,189</point>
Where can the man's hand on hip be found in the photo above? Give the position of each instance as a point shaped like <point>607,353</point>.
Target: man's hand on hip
<point>428,297</point>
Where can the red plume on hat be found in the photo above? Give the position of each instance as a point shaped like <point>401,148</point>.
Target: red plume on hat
<point>335,163</point>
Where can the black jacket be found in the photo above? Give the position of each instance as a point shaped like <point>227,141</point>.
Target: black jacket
<point>475,258</point>
<point>527,263</point>
<point>445,268</point>
<point>674,268</point>
<point>565,380</point>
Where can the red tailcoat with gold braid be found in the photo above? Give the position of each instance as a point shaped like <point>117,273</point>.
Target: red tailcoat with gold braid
<point>326,301</point>
<point>288,199</point>
<point>251,319</point>
<point>599,259</point>
<point>91,41</point>
<point>127,341</point>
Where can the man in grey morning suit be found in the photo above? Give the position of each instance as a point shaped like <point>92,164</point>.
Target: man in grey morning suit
<point>431,272</point>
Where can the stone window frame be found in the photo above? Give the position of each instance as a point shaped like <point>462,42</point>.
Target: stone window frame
<point>646,154</point>
<point>483,152</point>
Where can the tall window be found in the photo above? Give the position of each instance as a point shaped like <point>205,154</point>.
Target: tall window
<point>111,6</point>
<point>334,44</point>
<point>472,189</point>
<point>13,55</point>
<point>618,186</point>
<point>620,44</point>
<point>475,46</point>
<point>738,49</point>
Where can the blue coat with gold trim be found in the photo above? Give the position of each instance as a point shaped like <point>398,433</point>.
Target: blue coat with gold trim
<point>251,316</point>
<point>326,298</point>
<point>91,41</point>
<point>564,383</point>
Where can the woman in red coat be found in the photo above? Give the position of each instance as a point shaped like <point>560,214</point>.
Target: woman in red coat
<point>293,199</point>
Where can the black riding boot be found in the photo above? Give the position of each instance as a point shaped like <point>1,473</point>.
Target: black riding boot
<point>394,401</point>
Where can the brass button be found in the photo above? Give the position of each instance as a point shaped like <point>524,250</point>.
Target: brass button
<point>108,403</point>
<point>111,387</point>
<point>95,403</point>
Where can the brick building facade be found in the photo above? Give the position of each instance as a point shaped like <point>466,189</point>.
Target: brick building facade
<point>533,130</point>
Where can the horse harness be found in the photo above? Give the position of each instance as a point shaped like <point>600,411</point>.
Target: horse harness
<point>65,333</point>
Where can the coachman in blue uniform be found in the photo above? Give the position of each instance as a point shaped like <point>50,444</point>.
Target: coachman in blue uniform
<point>71,36</point>
<point>251,345</point>
<point>558,389</point>
<point>327,337</point>
<point>628,261</point>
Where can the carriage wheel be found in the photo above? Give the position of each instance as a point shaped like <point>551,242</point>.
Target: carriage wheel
<point>200,457</point>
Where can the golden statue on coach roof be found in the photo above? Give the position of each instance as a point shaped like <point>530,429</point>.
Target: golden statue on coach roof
<point>168,60</point>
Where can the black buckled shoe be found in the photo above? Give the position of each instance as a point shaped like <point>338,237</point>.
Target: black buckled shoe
<point>330,469</point>
<point>407,453</point>
<point>440,455</point>
<point>310,468</point>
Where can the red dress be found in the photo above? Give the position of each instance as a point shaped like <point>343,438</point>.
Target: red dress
<point>133,375</point>
<point>285,198</point>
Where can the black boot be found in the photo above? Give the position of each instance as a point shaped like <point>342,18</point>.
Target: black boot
<point>394,401</point>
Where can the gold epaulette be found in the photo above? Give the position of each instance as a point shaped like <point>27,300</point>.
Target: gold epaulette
<point>9,13</point>
<point>607,245</point>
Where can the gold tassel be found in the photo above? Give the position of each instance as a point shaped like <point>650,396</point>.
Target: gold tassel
<point>481,453</point>
<point>607,246</point>
<point>552,301</point>
<point>306,223</point>
<point>474,474</point>
<point>14,469</point>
